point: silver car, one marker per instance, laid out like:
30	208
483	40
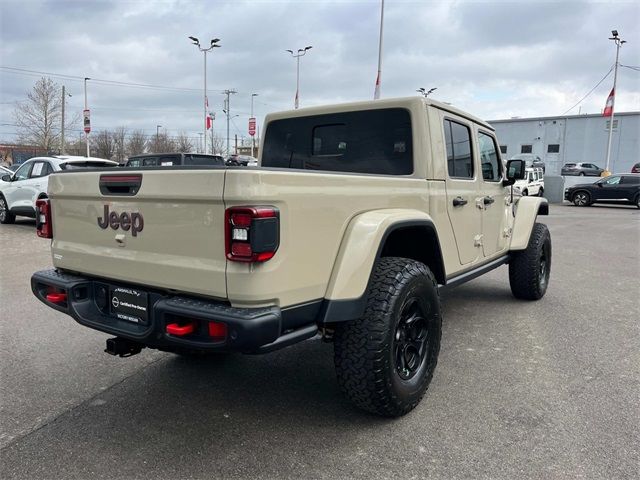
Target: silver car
581	169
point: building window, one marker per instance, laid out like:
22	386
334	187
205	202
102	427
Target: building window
553	148
525	149
503	149
608	124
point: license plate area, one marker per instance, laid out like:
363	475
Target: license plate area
129	304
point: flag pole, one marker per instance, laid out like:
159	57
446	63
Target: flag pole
619	42
376	93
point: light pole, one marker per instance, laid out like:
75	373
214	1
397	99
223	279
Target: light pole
214	44
253	141
227	111
87	121
301	53
425	93
376	92
157	137
64	101
618	41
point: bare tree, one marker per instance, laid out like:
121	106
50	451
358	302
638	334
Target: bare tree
103	144
38	117
183	143
120	144
218	144
137	143
161	143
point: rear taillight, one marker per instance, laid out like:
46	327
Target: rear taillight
44	228
252	233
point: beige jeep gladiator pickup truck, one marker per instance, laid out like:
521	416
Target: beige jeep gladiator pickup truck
357	216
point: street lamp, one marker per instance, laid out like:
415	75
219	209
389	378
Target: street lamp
253	137
64	101
425	93
87	118
301	53
212	45
157	137
612	96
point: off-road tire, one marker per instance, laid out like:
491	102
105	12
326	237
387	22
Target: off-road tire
366	351
525	193
6	216
529	270
541	192
578	197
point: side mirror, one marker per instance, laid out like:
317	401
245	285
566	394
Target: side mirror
515	171
6	177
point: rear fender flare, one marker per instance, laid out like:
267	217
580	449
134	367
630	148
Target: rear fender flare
361	246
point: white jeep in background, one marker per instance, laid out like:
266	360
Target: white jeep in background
532	184
20	191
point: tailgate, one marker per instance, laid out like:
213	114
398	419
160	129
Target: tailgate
168	234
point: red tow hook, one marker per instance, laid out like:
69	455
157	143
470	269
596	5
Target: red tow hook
181	330
56	297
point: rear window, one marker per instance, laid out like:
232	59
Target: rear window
89	164
203	160
369	141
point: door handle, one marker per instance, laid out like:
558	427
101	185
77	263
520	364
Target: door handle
459	202
488	200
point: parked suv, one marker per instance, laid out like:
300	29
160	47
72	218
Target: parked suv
532	184
581	169
359	215
623	189
171	159
20	191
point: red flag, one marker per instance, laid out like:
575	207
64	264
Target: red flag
209	122
608	108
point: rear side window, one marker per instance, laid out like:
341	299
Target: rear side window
631	180
458	143
133	162
369	141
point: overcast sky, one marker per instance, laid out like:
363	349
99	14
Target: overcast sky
494	59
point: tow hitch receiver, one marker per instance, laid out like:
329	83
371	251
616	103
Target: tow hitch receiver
122	347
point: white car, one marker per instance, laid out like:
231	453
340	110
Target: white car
19	191
532	184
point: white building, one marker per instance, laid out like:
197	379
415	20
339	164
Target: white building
575	138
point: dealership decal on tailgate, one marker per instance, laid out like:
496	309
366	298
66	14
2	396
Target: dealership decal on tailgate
129	304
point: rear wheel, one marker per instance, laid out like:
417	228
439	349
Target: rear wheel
581	174
581	199
637	202
5	215
525	193
541	192
385	360
529	269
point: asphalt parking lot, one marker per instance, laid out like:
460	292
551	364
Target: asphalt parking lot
548	389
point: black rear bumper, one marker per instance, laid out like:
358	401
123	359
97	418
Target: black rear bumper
252	330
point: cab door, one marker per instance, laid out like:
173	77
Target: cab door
495	197
462	189
15	193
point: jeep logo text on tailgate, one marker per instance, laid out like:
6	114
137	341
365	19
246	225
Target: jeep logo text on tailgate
126	221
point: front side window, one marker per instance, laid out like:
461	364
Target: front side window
23	172
489	159
458	144
526	149
612	181
368	141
